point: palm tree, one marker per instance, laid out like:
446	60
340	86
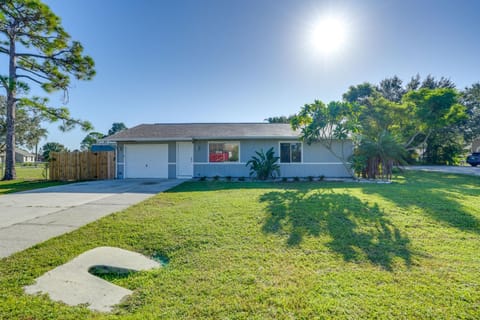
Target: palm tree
375	157
264	165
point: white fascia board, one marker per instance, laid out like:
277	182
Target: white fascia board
219	138
150	139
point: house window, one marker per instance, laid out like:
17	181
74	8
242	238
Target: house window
290	152
223	152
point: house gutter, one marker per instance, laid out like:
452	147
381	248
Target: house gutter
204	138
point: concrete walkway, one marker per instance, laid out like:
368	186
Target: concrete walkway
31	217
73	284
468	170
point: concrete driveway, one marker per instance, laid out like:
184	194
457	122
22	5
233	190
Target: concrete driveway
27	218
473	171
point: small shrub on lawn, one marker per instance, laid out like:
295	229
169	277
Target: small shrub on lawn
216	178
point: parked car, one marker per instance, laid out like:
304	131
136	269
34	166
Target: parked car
474	159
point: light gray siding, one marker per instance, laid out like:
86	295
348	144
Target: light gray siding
317	153
248	148
316	160
200	151
334	170
220	169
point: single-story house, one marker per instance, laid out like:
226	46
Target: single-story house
22	156
219	149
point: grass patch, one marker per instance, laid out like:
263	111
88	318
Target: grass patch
28	178
409	249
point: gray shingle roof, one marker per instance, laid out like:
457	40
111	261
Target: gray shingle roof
205	131
24	153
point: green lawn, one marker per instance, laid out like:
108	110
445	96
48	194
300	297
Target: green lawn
407	250
27	178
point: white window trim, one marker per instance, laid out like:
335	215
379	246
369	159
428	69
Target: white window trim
224	162
280	152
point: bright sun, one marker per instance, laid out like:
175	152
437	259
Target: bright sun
329	35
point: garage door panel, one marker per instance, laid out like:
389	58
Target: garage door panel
146	161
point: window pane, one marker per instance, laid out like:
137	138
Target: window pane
232	150
222	152
296	152
285	152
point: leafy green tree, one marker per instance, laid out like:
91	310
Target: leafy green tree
264	165
91	139
391	89
445	146
413	84
431	83
432	111
34	135
328	125
39	52
470	98
116	127
417	115
27	126
280	119
360	93
52	147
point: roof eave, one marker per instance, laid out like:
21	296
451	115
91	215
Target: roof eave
205	138
246	137
149	139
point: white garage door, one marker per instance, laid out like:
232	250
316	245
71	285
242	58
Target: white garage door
146	161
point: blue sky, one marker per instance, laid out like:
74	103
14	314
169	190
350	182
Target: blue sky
246	60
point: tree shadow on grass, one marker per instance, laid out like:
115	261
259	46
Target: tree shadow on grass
358	230
436	198
13	186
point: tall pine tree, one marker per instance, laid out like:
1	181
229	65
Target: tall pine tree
40	52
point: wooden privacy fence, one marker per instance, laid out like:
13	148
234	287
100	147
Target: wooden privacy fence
81	165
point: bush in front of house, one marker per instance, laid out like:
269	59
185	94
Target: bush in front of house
264	165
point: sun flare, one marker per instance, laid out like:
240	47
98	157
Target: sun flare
329	35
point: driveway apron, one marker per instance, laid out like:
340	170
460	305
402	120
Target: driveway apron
31	217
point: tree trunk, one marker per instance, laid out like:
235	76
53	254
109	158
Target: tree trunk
36	151
10	173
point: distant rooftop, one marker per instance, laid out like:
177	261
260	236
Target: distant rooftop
205	131
24	153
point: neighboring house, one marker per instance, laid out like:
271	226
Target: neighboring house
476	145
218	149
22	156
